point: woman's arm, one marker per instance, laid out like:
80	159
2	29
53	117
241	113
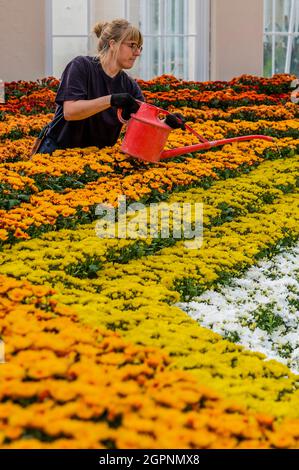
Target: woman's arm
82	109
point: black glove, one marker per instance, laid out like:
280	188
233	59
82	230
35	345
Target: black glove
173	121
126	102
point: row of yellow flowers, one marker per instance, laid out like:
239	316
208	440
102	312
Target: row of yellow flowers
137	298
55	382
45	207
133	298
48	258
69	162
214	130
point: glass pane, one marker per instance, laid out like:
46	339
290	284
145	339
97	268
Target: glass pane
151	16
295	57
172	52
268	12
280	53
174	56
133	11
297	17
70	17
268	55
174	16
66	49
191	16
149	61
282	15
189	65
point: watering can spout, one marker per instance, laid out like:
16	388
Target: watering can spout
207	145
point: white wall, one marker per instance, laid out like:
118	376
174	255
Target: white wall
236	38
105	11
22	39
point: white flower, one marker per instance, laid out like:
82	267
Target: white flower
259	309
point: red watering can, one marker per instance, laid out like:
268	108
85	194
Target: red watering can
146	136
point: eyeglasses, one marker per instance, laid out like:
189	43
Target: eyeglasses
134	46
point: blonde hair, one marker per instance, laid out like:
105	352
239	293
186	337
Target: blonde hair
119	30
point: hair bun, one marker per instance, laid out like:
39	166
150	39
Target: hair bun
99	27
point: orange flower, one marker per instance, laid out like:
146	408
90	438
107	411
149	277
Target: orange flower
3	234
20	234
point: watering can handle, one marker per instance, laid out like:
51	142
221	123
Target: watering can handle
123	121
163	111
119	115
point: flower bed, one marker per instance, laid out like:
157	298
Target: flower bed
259	310
99	350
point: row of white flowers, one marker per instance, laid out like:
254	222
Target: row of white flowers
259	311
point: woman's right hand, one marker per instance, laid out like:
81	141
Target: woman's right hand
126	102
175	121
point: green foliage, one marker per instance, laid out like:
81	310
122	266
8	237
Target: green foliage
188	288
10	198
87	269
266	319
232	336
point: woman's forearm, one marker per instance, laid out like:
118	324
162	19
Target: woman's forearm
83	109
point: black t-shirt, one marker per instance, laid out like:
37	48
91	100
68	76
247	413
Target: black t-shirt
85	79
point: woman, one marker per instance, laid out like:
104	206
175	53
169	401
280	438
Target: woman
92	88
